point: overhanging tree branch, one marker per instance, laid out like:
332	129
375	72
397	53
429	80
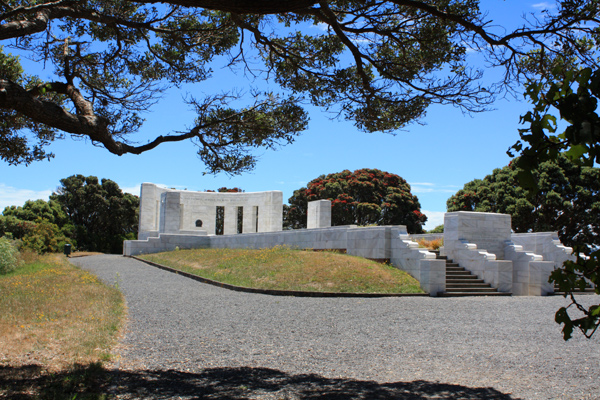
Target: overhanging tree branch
377	63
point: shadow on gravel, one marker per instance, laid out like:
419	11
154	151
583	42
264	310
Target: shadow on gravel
93	382
262	383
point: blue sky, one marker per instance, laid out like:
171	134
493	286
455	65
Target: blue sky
436	158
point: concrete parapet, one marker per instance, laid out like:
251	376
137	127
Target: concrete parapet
531	272
488	231
539	272
545	244
318	214
372	242
432	276
499	273
420	263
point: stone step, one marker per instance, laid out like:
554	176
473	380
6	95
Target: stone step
456	273
468	285
465	278
469	294
461	282
466	289
469	279
588	290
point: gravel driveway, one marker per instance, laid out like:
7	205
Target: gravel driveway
190	340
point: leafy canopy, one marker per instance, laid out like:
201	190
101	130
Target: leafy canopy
567	200
102	215
363	197
379	63
92	215
570	93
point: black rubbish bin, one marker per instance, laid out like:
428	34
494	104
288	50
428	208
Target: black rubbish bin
67	249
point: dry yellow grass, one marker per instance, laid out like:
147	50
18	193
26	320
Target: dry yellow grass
54	315
432	244
286	269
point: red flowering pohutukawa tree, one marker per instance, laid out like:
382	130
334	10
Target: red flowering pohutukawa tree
362	197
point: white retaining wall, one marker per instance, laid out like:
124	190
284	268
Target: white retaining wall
519	263
380	243
480	242
545	244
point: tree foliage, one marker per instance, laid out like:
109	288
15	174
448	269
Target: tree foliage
101	214
92	215
34	210
437	229
39	226
377	63
363	197
14	228
567	200
45	237
571	92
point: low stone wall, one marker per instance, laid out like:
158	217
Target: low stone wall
480	242
545	244
372	242
379	243
530	271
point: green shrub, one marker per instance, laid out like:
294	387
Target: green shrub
8	256
437	229
46	237
14	227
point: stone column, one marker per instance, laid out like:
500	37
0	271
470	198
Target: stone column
249	224
171	210
230	223
319	214
488	231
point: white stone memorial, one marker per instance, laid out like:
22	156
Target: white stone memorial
185	212
480	242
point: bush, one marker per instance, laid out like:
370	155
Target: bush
44	238
432	244
437	229
16	228
9	260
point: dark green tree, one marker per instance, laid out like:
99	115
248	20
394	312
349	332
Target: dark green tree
15	228
33	210
44	237
572	93
567	200
41	226
102	215
363	197
377	63
437	229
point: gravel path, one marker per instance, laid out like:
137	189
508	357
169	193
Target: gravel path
189	340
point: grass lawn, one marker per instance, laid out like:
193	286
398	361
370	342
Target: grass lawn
286	269
57	325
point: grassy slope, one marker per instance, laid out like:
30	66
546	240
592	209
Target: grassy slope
282	268
56	321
